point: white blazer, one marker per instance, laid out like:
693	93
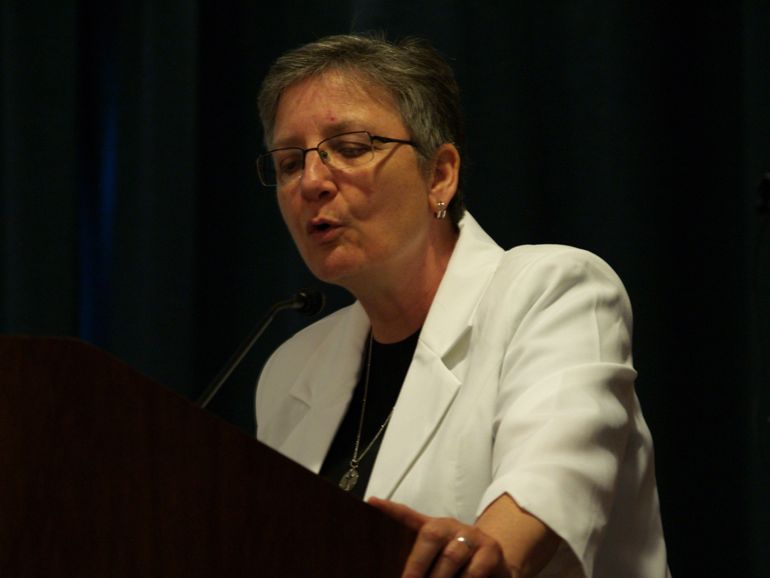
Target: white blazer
521	383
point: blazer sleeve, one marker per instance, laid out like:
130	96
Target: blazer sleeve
566	404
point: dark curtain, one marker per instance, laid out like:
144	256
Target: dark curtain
131	214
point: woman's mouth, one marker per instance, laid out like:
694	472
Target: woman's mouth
323	230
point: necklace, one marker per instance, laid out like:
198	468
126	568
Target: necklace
350	479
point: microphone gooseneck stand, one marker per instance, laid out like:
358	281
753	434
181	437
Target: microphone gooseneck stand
307	302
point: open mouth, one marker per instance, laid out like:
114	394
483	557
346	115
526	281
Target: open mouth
320	225
322	229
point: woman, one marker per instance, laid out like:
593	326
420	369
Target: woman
483	397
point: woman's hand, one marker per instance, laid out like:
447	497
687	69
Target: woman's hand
446	547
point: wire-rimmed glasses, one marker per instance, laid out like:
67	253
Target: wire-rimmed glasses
348	150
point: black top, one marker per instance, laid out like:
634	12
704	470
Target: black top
390	363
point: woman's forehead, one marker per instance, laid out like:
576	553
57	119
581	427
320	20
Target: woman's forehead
338	100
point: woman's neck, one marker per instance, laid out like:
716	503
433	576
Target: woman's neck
398	307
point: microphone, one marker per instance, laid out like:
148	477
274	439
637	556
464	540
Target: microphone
306	301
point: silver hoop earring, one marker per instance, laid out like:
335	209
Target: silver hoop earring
441	210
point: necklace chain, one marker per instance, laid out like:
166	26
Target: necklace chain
350	478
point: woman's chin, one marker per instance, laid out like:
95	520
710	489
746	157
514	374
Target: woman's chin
335	271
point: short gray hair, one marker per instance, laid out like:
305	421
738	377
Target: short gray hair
417	77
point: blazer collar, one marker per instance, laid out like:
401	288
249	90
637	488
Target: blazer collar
471	266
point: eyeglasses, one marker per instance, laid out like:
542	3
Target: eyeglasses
348	150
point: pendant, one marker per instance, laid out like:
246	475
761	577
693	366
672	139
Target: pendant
349	480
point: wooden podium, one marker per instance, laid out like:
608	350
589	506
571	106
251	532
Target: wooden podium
105	473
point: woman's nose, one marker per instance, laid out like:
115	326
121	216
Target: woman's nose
316	181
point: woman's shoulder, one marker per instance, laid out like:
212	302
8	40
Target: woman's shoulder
309	338
546	262
312	347
531	277
540	260
550	253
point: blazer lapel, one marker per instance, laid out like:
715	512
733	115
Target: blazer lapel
427	393
438	367
326	387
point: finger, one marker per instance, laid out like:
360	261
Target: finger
428	546
401	513
487	561
454	556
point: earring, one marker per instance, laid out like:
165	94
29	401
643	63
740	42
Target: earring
441	210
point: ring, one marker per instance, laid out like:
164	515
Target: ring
465	541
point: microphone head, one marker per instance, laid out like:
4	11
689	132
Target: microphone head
309	301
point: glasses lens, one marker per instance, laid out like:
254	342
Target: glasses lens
347	150
265	170
279	166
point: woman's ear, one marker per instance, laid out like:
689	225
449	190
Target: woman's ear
445	174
